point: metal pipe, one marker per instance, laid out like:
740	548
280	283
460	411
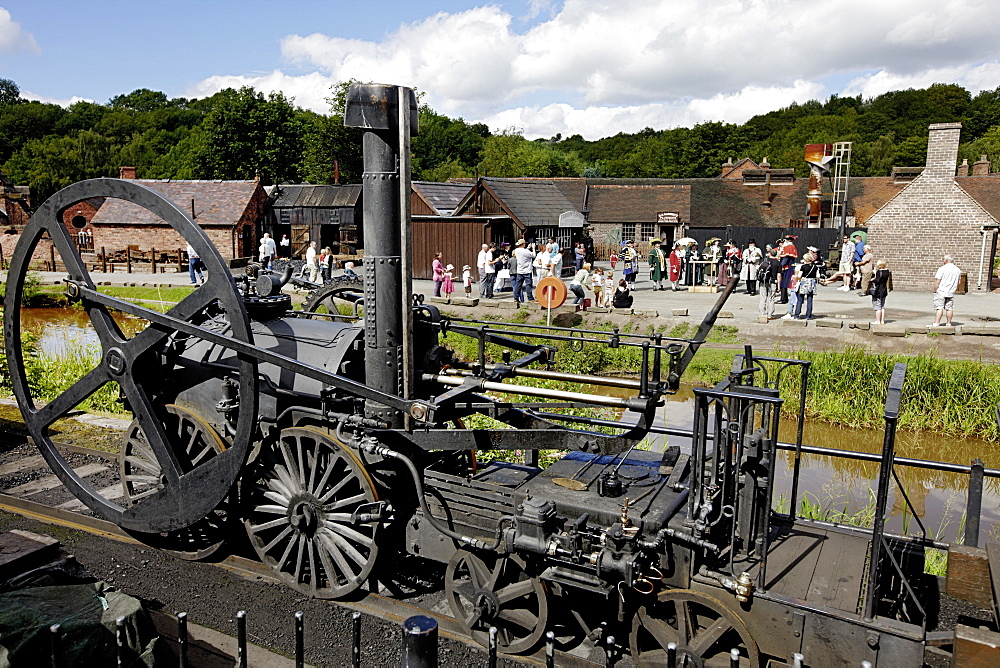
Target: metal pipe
613	402
803	384
356	640
671	655
54	650
893	396
373	107
121	642
974	504
420	640
182	639
604	381
300	650
241	639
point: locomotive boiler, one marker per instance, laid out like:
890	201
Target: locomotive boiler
338	443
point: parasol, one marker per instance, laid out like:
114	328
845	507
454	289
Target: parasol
685	241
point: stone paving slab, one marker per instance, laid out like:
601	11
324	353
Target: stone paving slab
830	322
981	329
888	329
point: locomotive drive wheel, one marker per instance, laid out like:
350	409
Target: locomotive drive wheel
485	590
135	363
703	628
302	514
194	441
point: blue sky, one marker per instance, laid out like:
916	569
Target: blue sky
593	67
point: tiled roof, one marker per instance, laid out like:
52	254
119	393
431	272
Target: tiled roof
216	203
317	197
985	190
442	197
534	203
641	203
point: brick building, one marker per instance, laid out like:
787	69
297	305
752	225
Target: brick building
15	203
937	213
230	213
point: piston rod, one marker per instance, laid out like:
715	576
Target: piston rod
606	381
613	402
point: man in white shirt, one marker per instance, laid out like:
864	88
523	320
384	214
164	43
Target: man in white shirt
487	273
267	248
945	284
311	265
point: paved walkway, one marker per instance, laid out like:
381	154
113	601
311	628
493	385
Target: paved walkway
909	310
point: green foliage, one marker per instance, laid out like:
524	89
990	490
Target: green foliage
509	154
237	134
247	134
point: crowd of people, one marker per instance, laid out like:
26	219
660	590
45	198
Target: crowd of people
775	273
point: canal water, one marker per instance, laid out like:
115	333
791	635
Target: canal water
836	485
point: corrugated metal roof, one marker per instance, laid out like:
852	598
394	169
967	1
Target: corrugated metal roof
442	197
317	197
215	203
534	203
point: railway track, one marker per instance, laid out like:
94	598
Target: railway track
29	488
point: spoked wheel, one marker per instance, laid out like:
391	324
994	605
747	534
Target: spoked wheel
325	299
487	590
195	442
309	514
703	628
135	364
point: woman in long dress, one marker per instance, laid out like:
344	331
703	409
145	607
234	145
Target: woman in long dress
676	266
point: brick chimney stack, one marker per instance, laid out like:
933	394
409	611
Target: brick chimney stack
963	169
727	165
126	173
981	167
942	151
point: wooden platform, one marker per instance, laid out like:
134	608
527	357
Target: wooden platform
820	565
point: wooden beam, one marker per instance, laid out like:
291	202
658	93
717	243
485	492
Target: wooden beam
969	576
976	647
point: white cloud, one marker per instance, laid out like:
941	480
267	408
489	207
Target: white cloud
62	102
594	122
972	77
12	38
309	91
603	66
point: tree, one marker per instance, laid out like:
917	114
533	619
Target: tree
443	141
509	154
141	99
248	134
9	92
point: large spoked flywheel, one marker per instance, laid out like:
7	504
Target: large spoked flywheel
137	365
310	513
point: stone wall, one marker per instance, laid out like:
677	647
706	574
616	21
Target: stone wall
932	216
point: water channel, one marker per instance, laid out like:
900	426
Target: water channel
836	484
